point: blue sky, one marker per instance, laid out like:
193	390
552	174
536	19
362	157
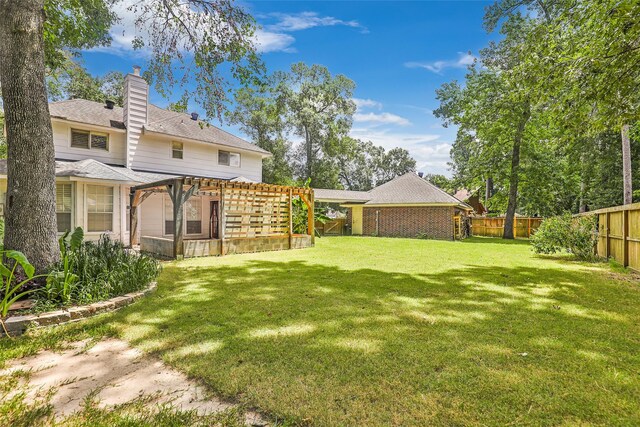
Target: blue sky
397	52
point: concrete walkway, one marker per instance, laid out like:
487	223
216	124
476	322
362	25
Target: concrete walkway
117	374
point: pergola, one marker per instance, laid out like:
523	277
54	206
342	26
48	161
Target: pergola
246	210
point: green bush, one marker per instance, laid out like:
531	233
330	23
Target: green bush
101	270
575	235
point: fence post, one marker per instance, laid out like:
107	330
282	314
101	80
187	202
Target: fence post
625	235
606	235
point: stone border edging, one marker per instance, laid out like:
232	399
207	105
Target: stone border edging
17	325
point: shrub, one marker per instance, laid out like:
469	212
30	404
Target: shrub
12	286
100	270
574	235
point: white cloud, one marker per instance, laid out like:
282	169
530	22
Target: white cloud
464	60
272	37
306	20
267	41
431	154
381	118
366	103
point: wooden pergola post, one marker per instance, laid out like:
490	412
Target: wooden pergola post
178	198
221	219
310	202
136	197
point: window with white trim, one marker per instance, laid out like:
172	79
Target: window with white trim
192	209
63	206
99	208
193	215
86	139
177	150
168	216
229	158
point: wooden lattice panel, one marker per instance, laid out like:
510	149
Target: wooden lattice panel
255	213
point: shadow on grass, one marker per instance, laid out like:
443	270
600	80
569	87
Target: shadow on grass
308	341
496	240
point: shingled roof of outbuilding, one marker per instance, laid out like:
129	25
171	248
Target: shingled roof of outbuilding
161	121
407	189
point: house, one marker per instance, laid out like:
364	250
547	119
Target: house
472	198
117	167
407	206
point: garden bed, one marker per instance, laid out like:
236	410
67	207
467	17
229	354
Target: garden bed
17	325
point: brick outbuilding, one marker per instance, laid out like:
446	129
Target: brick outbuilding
407	206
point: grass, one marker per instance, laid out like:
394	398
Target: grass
373	331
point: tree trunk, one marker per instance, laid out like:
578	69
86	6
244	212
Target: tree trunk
626	165
514	178
583	185
309	148
488	192
583	188
30	214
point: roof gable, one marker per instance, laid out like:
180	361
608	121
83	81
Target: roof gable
409	189
406	189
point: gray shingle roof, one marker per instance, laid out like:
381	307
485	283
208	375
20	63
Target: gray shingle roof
93	169
162	121
89	112
182	126
403	190
340	196
407	189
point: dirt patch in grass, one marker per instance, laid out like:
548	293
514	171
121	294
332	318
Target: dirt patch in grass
113	373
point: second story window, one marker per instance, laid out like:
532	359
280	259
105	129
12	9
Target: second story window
177	150
229	158
87	139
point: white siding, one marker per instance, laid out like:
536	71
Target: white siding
135	111
152	217
62	142
199	159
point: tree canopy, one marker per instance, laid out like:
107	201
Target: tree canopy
548	112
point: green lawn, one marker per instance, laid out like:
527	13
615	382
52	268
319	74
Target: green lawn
373	331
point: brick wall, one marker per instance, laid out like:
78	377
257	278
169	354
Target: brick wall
435	221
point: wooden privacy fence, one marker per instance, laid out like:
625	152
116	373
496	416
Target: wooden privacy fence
494	226
334	227
619	234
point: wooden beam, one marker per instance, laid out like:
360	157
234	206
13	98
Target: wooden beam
156	184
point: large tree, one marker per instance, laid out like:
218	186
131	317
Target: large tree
30	214
320	109
206	41
261	114
73	81
587	64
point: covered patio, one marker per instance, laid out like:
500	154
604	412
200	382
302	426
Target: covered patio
243	217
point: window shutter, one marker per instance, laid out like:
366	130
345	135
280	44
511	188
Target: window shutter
79	139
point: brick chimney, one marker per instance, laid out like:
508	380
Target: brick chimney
136	106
